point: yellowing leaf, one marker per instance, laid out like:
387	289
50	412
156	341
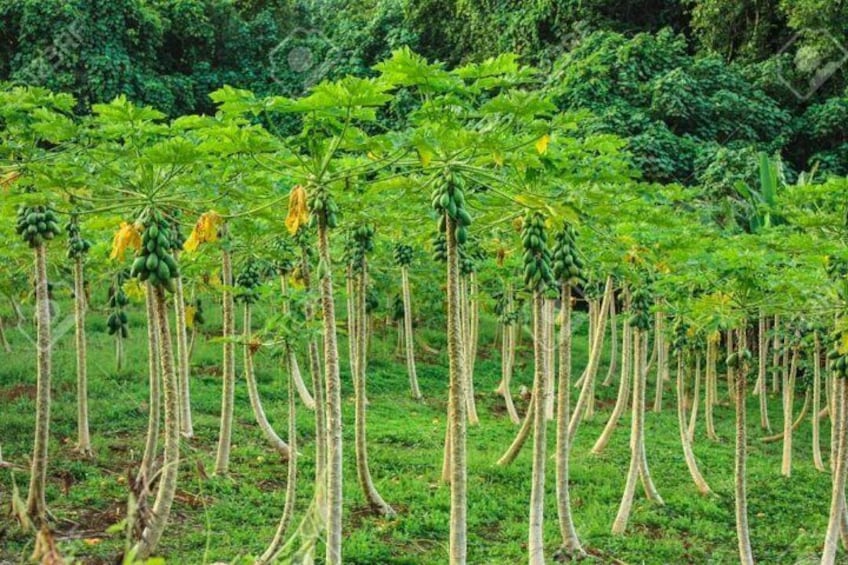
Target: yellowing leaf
8	179
843	344
135	290
498	158
298	210
426	156
127	236
190	312
542	144
205	230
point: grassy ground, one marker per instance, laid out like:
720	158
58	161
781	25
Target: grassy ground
222	519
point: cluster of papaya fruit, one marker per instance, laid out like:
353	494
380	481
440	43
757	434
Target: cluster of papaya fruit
117	323
567	265
449	201
155	262
836	355
77	246
248	281
403	254
37	224
640	304
537	257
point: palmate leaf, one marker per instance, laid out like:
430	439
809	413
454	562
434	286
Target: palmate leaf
53	126
235	101
122	111
173	151
407	68
520	103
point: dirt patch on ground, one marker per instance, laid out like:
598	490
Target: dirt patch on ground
17	391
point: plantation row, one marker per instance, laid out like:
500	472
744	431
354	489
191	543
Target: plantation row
512	199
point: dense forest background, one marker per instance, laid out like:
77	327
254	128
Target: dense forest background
697	87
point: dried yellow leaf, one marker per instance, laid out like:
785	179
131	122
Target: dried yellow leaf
205	230
542	144
128	236
298	210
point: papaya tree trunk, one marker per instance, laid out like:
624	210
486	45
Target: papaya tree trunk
837	499
817	455
36	502
161	509
271	554
588	388
548	326
613	321
662	366
761	388
83	436
693	418
468	338
685	438
741	455
623	384
456	403
507	359
318	381
775	361
570	542
291	357
5	342
271	436
644	471
623	516
407	334
711	378
183	362
154	401
372	496
222	459
536	542
333	400
788	400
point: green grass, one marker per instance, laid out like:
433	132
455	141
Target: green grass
221	519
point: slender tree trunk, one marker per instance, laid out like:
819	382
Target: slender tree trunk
334	401
536	542
168	482
456	420
731	373
588	388
817	456
272	552
835	411
570	542
119	353
291	357
5	343
183	363
711	385
613	321
36	503
659	339
507	360
693	418
253	391
644	471
222	459
742	534
83	436
685	438
155	377
470	350
837	499
788	400
375	501
775	361
318	381
548	323
623	384
407	333
623	516
761	388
